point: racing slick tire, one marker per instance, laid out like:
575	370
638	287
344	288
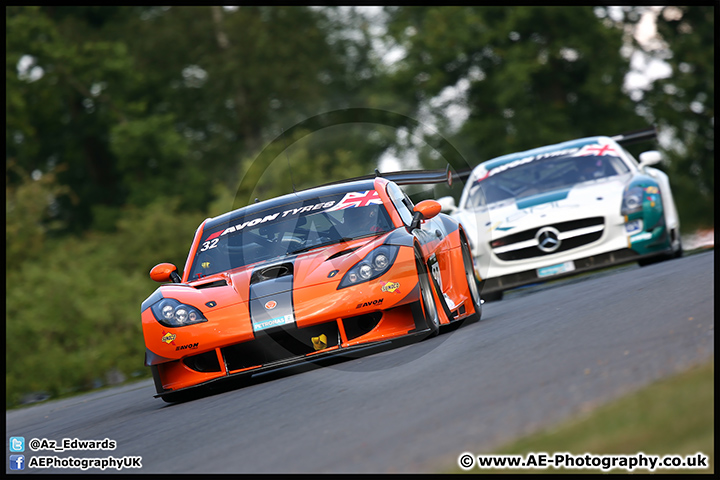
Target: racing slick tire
495	296
426	308
679	252
643	262
472	283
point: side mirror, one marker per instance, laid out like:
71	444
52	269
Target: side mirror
447	204
424	210
164	272
651	157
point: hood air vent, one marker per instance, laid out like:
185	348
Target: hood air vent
340	254
271	272
217	283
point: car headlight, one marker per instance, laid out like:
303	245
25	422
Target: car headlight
374	265
171	313
632	200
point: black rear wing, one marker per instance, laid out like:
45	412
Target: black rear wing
462	175
407	177
636	136
419	177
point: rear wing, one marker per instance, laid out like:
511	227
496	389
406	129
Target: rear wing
462	175
636	136
407	177
418	177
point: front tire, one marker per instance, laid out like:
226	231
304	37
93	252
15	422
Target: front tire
495	296
427	305
472	284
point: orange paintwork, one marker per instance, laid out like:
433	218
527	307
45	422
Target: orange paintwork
428	208
161	272
317	302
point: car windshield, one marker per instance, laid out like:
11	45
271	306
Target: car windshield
289	229
541	176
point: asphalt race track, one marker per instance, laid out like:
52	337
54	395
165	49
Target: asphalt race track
537	357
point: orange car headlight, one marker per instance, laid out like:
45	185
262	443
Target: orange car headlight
171	313
375	264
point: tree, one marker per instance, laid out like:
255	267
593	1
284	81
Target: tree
503	79
146	102
683	106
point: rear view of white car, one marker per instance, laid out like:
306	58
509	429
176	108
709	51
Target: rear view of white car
566	208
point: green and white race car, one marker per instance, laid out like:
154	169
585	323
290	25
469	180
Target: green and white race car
566	208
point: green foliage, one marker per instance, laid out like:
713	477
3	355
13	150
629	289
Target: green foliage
28	216
74	315
683	105
527	76
147	101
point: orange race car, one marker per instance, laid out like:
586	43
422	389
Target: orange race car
307	275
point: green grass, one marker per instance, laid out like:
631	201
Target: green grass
672	416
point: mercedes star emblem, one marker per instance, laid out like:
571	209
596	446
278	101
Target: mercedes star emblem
548	239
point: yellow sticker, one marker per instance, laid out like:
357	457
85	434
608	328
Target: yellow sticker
390	287
320	342
205	264
168	337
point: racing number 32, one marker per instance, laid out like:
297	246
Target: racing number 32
208	245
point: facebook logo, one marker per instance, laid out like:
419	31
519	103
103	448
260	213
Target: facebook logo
17	444
17	462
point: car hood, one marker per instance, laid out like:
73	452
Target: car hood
589	199
274	276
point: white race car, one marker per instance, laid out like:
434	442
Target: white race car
562	209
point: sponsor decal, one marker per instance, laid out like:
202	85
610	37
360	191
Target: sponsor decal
435	270
168	337
189	346
597	150
205	264
556	269
371	303
270	305
284	320
391	287
208	244
358	199
652	189
533	210
319	342
633	227
640	237
523	161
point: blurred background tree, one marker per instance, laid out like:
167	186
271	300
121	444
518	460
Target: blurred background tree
127	126
683	106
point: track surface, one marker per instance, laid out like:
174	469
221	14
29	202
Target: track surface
537	357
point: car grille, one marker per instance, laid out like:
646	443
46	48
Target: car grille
555	238
280	344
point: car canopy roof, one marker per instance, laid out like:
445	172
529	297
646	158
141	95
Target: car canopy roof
299	196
